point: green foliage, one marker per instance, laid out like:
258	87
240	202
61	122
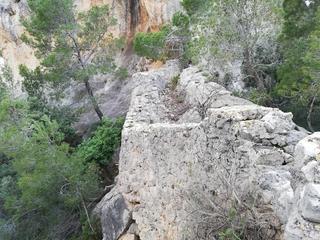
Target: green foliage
192	6
225	32
229	234
88	234
298	74
298	18
295	31
6	78
70	46
259	97
170	42
34	82
121	73
67	43
43	25
180	20
151	45
174	82
101	147
45	187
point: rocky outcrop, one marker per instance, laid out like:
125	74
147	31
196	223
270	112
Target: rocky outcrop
10	14
183	172
115	215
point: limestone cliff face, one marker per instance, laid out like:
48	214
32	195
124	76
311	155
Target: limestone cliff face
14	52
137	15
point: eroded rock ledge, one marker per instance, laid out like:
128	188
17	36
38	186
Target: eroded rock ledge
181	176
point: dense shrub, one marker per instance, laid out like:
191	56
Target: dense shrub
46	188
180	20
192	6
104	142
151	45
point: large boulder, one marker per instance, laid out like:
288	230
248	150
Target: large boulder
114	214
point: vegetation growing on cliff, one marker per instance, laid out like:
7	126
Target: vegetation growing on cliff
168	43
70	46
47	187
298	81
101	146
151	45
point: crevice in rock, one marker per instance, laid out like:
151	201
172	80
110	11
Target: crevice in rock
125	231
132	15
175	103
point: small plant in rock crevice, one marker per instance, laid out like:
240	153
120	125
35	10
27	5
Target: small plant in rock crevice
174	82
101	146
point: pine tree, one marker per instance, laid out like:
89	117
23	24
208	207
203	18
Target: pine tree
298	45
70	46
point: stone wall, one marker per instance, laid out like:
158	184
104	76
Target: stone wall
178	172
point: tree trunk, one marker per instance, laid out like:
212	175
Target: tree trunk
252	79
93	99
309	114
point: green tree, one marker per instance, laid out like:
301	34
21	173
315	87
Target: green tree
296	28
46	189
151	45
10	118
6	78
192	6
311	91
297	75
70	46
227	32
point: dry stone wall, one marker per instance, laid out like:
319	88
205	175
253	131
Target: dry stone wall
176	173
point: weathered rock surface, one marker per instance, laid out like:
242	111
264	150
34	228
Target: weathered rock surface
137	15
173	168
310	203
14	52
309	149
